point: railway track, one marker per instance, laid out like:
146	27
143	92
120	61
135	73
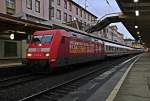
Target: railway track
58	91
16	80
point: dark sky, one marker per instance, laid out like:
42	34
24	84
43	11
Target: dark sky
101	8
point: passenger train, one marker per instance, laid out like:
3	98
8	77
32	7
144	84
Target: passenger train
52	49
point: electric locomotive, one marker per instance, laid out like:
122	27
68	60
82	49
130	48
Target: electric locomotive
52	49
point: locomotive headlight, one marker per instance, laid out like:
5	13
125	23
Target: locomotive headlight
29	54
40	44
47	54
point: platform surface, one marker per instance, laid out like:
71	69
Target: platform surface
5	63
136	86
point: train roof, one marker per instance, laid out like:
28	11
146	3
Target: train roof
116	45
104	40
62	32
78	32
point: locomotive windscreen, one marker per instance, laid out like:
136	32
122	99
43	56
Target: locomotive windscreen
42	39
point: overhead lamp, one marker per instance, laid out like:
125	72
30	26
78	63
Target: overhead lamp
136	26
137	12
138	33
135	1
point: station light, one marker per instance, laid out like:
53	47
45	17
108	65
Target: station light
12	36
138	33
135	1
136	27
137	12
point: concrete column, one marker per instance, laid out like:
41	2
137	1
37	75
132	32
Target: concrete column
24	48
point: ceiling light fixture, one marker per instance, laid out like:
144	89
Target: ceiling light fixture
135	1
136	27
137	12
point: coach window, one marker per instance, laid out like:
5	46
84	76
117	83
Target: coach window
63	40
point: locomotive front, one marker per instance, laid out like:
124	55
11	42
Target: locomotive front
38	52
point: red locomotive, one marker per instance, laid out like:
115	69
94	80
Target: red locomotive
55	48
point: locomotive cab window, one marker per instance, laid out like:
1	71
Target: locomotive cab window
42	39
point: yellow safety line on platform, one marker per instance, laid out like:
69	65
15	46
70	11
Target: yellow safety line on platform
114	92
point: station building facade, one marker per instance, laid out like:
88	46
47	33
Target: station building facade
111	33
45	12
67	10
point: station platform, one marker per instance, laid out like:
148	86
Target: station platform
136	86
11	67
5	63
128	81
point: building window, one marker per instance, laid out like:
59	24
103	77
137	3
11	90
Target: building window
80	12
88	17
58	14
91	19
37	6
84	15
10	6
77	10
51	12
29	4
94	19
84	23
65	17
70	6
65	4
70	18
51	2
58	2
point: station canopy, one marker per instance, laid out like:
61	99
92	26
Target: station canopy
137	18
